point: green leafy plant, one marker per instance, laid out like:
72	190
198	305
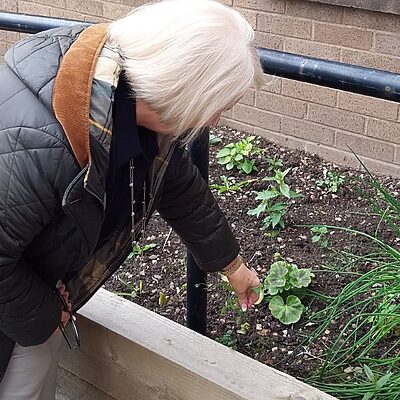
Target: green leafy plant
320	235
273	203
330	180
138	250
214	139
228	339
378	382
239	155
284	282
274	163
230	303
162	299
132	290
287	312
368	309
229	184
244	328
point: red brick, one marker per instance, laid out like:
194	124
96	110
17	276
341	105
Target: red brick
56	12
9	37
135	3
380	167
368	105
308	130
387	44
250	16
227	113
309	92
371	60
24	36
94	18
283	140
115	11
383	130
397	155
257	117
52	3
88	7
248	98
237	125
343	36
282	25
9	5
336	118
3	48
276	6
335	156
312	49
364	146
281	104
268	40
25	7
371	20
273	84
318	12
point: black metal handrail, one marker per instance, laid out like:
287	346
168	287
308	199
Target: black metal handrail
26	23
348	77
352	78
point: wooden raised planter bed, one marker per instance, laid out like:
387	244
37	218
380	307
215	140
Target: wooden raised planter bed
129	352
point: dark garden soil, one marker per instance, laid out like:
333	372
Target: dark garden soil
265	339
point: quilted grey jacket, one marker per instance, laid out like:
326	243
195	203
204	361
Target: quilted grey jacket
53	166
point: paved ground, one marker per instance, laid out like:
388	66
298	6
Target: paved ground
70	387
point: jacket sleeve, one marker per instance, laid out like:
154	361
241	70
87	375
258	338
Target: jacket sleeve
29	308
188	206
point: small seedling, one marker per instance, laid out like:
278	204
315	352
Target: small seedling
228	339
331	181
214	139
244	328
239	155
230	304
138	250
274	163
319	235
133	290
229	185
162	299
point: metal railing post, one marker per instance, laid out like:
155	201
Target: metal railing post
196	293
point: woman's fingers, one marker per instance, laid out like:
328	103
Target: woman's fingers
252	297
65	317
243	301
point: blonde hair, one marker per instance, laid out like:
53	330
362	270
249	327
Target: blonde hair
187	60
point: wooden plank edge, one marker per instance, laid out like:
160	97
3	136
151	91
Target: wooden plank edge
127	349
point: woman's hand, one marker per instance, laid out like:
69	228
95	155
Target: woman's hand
65	316
243	282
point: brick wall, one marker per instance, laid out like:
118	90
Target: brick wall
299	115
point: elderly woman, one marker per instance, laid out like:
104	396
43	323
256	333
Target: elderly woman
93	127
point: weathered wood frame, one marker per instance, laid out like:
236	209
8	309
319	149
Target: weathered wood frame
129	352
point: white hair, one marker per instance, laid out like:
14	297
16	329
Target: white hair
187	60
